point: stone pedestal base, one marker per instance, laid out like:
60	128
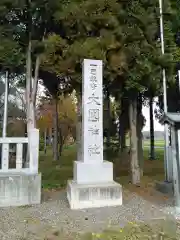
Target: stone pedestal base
94	195
19	189
90	173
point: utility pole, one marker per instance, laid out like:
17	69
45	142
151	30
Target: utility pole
167	163
5	105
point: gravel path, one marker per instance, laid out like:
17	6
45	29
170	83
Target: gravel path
35	222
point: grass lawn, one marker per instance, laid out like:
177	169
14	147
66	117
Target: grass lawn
156	143
133	231
56	174
146	142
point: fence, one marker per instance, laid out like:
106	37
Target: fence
32	142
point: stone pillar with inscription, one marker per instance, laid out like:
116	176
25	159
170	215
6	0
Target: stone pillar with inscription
92	185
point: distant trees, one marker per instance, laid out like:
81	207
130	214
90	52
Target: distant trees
66	114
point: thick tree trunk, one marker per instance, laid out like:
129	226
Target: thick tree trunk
122	133
123	141
134	163
31	115
61	142
151	115
31	87
29	104
79	127
139	134
123	119
31	118
109	119
35	82
55	138
119	129
28	86
5	117
45	141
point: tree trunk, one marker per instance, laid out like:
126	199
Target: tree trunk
122	133
55	138
123	140
45	141
79	128
61	142
35	82
109	120
32	96
134	163
29	113
139	134
5	117
151	115
123	119
25	149
28	85
30	89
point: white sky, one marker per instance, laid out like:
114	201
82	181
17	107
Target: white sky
157	126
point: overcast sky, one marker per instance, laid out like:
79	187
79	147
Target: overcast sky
157	126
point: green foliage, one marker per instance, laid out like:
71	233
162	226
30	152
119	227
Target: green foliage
123	35
171	30
22	21
10	54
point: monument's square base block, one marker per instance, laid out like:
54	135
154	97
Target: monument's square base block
93	186
95	195
93	172
19	189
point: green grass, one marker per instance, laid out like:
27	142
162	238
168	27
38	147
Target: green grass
146	143
56	174
164	230
157	143
158	230
159	153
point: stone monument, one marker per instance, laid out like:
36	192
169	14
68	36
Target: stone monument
93	184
